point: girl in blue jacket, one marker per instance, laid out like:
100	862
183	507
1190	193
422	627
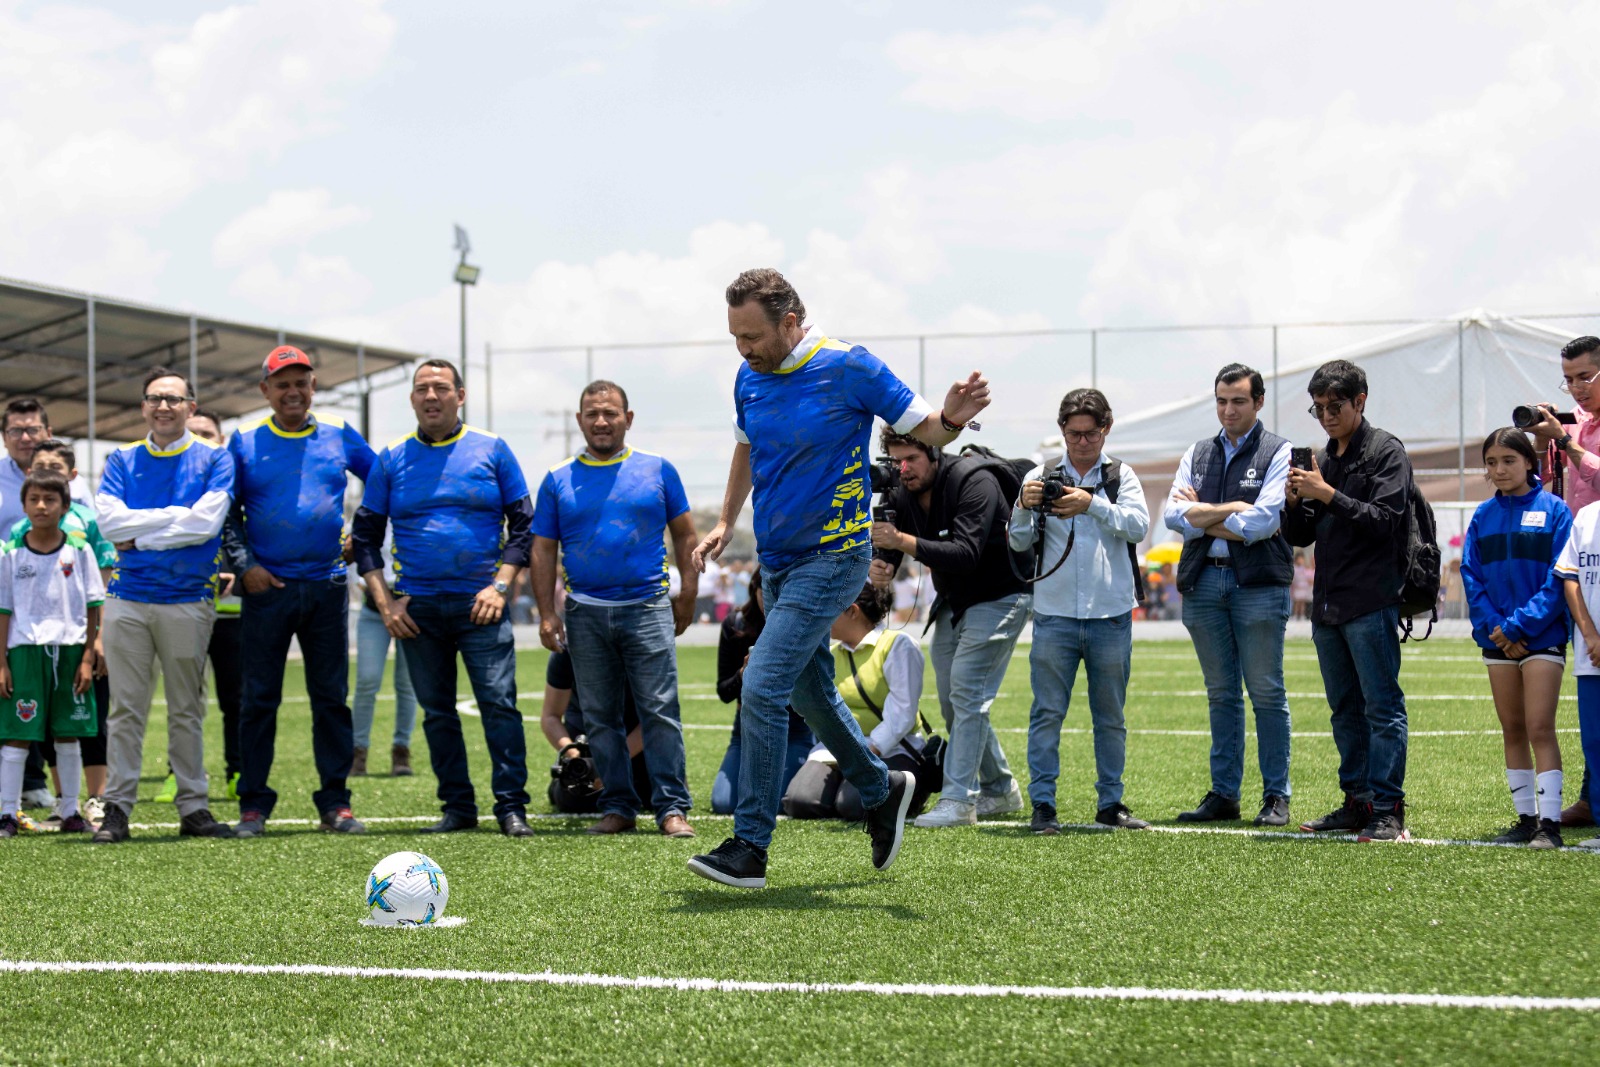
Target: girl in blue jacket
1519	618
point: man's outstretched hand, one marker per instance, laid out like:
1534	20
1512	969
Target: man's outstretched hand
966	399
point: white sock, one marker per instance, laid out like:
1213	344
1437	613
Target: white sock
12	762
1550	795
1522	795
69	765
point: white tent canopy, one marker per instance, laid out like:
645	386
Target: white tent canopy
1432	385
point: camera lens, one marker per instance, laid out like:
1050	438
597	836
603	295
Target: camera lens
1523	416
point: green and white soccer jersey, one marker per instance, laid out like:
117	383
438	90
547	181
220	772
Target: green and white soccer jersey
42	703
48	594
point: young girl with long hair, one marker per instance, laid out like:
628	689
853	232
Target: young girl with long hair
1518	609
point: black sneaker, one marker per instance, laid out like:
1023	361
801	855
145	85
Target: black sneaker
1348	818
1044	820
113	828
1274	811
1118	816
1386	824
735	862
1520	832
1213	807
886	823
201	824
9	826
1548	835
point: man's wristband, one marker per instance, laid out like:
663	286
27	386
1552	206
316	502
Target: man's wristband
1564	442
953	427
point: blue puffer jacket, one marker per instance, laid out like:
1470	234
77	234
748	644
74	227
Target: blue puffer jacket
1507	569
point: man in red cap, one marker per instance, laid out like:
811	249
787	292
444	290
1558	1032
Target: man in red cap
284	540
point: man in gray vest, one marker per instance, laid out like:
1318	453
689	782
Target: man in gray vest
1234	574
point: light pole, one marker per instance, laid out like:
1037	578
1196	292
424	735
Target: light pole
465	275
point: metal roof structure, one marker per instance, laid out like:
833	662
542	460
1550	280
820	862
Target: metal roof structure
85	357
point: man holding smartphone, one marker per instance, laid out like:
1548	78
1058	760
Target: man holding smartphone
1235	573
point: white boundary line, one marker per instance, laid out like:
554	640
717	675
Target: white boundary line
1228	831
902	989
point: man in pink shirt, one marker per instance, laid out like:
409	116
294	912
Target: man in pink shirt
1580	444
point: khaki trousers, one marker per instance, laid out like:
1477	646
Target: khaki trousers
138	638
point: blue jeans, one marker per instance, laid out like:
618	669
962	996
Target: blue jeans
1105	648
1360	663
372	653
1589	732
791	665
725	789
317	614
636	643
969	661
1238	635
490	657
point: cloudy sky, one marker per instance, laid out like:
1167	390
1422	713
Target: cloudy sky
913	167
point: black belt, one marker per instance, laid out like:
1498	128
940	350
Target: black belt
1219	561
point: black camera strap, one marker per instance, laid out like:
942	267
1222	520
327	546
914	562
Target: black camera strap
872	705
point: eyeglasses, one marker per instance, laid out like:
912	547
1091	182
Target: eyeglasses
165	400
1316	411
1084	437
17	433
1567	387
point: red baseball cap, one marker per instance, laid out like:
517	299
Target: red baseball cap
281	357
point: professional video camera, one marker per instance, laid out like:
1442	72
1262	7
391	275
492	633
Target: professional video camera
575	774
1525	415
883	475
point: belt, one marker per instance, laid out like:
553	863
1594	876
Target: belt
1219	561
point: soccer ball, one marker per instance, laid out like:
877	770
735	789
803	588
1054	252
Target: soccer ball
407	889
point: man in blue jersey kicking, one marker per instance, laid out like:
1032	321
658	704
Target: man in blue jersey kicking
463	526
804	407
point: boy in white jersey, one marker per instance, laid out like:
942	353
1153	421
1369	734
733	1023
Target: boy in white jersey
1579	565
50	597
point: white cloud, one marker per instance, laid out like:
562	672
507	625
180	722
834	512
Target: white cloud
287	217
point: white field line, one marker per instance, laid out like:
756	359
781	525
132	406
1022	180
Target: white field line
1226	831
888	989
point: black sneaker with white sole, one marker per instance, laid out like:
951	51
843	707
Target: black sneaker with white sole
1520	832
886	823
735	862
1547	836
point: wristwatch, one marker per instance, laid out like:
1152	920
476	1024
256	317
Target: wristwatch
1564	442
501	587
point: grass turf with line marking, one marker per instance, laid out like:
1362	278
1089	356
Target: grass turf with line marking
985	905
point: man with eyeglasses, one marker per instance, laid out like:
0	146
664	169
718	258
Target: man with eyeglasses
1083	607
1579	444
1234	574
162	501
1354	505
25	424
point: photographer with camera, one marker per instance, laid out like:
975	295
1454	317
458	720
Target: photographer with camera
1234	574
951	514
1576	437
575	783
1086	515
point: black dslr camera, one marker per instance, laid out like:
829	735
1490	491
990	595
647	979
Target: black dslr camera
575	774
1526	415
1055	487
883	475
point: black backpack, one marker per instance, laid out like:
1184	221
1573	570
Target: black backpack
1420	566
1009	472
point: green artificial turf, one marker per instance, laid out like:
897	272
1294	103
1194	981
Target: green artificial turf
986	905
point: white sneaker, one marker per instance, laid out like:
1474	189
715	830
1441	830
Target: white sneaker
94	811
1593	842
1005	805
949	813
39	798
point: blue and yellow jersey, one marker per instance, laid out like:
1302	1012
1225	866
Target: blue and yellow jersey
79	519
290	488
448	502
171	503
611	516
809	427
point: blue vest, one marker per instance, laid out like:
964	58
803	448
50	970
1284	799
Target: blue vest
1267	562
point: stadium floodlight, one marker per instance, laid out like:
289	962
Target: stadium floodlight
465	275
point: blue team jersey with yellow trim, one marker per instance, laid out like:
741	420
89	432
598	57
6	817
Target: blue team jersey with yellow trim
810	433
447	504
611	518
142	478
291	486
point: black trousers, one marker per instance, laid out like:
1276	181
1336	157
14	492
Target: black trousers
226	652
571	803
820	791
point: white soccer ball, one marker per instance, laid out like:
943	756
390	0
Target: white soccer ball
407	889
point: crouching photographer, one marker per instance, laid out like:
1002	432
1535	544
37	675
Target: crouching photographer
575	784
951	514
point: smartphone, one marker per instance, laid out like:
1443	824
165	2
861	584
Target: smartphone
1300	458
